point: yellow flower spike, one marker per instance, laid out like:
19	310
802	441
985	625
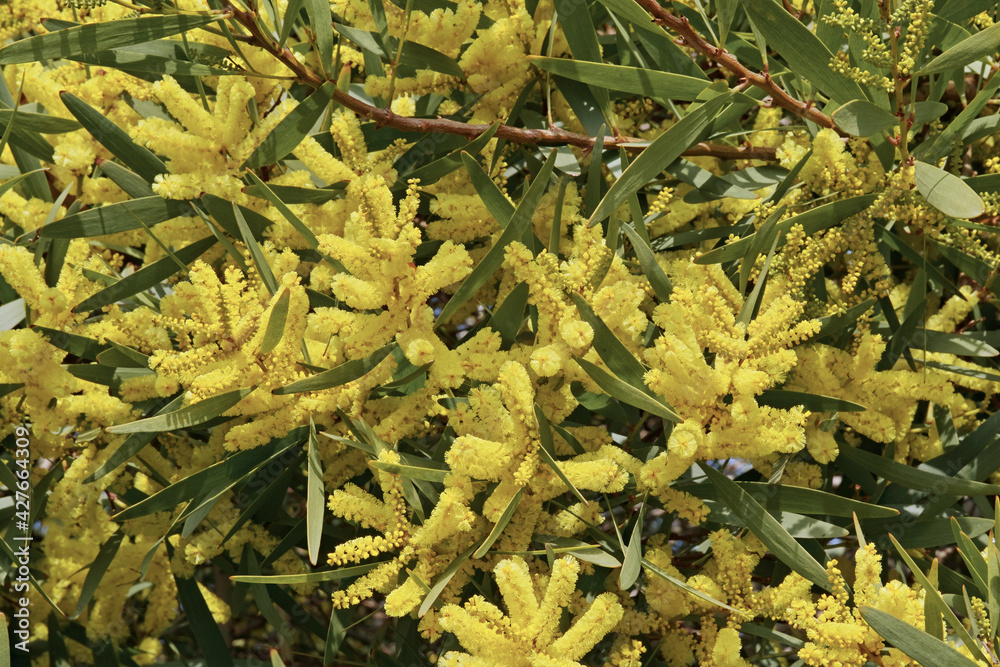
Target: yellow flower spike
358	506
404	599
347	133
598	474
324	165
515	585
17	266
478	636
479	458
726	652
602	616
232	120
451	515
561	585
181	105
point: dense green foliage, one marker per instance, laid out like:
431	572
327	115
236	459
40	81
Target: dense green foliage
521	332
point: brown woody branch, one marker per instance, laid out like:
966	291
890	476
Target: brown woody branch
517	135
688	37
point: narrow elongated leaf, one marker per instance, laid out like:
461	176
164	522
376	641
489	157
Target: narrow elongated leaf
627	393
261	596
98	568
132	445
982	44
797	525
501	523
223	473
39	122
275	324
635	80
916	478
114	218
136	62
206	630
292	129
424	472
781	398
507	319
443	580
708	186
8	185
903	248
348	371
321	25
419	57
581	35
335	635
813	221
292	195
11	314
690	590
765	240
861	118
993	583
310	578
798	499
223	212
949	615
658	155
145	278
937	147
800	47
946	192
495	200
101	36
658	280
516	229
611	350
588	552
632	565
970	553
192	415
315	496
547	449
964	345
767	528
914	642
256	253
134	185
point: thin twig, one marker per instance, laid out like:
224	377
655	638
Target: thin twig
690	38
518	135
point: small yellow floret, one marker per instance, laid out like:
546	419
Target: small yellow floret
404	106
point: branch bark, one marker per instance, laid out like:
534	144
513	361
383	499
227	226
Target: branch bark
726	60
517	135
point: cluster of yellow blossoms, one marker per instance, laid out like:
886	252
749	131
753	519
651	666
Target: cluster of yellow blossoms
452	449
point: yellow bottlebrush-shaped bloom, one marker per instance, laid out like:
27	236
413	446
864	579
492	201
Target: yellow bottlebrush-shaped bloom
207	148
888	396
748	360
835	630
527	634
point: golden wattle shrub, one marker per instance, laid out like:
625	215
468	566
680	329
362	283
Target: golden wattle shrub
536	333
